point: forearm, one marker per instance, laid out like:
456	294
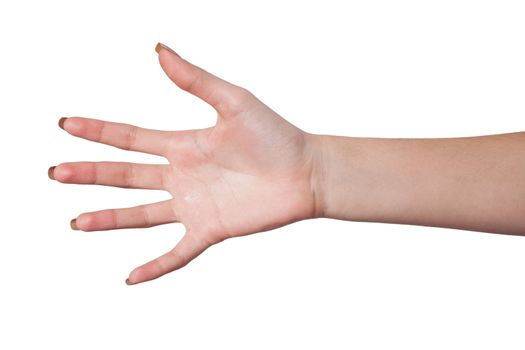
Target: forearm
474	183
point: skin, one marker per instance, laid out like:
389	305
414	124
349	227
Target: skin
253	171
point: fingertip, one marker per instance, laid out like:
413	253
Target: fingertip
138	275
70	124
84	222
160	46
74	125
61	173
147	272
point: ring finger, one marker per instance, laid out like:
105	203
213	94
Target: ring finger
142	216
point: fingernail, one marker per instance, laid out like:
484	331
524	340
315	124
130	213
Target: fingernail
73	224
51	172
61	122
162	46
128	282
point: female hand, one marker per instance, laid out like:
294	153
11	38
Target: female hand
251	172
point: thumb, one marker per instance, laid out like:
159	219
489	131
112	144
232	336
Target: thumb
188	248
213	90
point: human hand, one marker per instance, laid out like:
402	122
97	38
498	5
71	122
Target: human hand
253	171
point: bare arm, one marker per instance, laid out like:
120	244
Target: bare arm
472	183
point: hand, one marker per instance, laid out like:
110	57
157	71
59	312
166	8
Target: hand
251	172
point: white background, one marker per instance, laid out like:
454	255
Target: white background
358	68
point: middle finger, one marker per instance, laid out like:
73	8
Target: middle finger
118	174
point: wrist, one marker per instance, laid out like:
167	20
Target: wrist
320	151
345	177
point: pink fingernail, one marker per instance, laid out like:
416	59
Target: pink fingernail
128	282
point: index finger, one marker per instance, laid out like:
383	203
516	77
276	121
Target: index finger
124	136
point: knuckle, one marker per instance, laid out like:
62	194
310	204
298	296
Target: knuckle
94	172
241	100
178	259
100	130
244	94
107	219
164	177
130	138
169	146
146	217
129	176
191	83
201	242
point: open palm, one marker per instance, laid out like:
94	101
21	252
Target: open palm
251	172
